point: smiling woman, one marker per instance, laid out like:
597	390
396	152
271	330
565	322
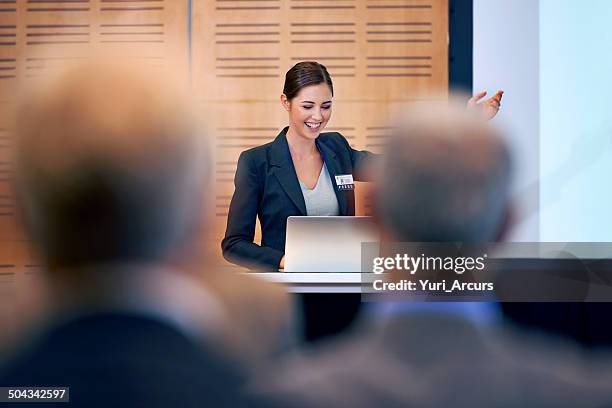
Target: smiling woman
296	174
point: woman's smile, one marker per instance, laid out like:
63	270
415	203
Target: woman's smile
309	111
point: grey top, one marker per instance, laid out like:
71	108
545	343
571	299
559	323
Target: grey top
321	200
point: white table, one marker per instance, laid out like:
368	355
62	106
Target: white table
315	282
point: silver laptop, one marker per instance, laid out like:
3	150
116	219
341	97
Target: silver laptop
327	244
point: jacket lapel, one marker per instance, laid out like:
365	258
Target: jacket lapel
333	167
283	169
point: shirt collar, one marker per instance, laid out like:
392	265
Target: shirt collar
158	292
481	314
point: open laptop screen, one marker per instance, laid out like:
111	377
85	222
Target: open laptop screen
327	244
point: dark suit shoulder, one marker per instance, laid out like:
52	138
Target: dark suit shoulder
256	159
336	142
260	157
332	138
258	150
139	360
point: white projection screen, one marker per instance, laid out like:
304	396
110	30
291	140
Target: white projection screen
552	59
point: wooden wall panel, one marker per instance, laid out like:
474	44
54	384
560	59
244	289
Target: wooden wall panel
380	53
39	36
374	49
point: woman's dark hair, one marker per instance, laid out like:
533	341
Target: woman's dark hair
303	74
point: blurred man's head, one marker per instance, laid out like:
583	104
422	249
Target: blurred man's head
445	177
110	166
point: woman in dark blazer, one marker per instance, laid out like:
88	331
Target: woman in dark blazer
273	180
267	186
296	173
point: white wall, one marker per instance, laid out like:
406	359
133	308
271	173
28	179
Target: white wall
575	121
506	56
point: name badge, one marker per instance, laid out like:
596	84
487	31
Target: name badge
345	182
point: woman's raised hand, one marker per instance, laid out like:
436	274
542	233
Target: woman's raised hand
488	108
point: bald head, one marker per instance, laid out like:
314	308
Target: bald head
110	165
445	177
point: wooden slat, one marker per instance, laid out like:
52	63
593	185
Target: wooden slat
38	37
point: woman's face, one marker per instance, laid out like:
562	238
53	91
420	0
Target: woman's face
310	110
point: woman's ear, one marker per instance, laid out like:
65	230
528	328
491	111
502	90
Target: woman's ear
285	102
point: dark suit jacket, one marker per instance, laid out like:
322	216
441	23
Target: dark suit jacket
266	186
120	360
587	323
432	360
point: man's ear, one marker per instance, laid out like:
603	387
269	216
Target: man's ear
285	102
385	234
506	224
374	206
